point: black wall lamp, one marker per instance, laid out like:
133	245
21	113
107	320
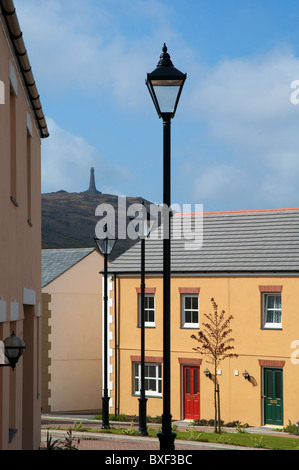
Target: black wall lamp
246	375
207	373
13	350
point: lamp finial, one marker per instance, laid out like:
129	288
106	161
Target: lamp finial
165	58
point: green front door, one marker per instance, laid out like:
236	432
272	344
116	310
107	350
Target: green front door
273	410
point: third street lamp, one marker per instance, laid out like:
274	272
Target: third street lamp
105	246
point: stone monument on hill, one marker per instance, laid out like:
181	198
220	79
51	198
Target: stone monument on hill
92	185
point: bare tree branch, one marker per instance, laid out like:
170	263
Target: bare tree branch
216	344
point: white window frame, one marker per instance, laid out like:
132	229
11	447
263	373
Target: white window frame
189	324
157	378
147	324
265	298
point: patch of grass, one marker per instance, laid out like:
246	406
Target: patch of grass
236	439
120	417
131	431
113	417
292	429
244	439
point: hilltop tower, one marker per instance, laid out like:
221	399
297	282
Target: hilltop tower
92	184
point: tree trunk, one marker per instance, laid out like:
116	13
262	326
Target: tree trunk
218	404
215	397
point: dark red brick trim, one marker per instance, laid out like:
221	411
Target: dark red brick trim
270	288
147	359
189	290
271	363
147	290
190	360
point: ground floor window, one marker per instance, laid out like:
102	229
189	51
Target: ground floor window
152	379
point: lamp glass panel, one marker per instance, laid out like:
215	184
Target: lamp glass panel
145	228
105	245
166	97
102	244
145	224
110	245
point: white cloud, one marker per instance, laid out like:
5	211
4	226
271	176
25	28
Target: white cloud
86	45
246	107
64	158
246	148
66	163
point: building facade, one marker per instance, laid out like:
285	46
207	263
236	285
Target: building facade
72	330
249	263
22	126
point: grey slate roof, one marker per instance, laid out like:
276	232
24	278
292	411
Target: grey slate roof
249	241
56	262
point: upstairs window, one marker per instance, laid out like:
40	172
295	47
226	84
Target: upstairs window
149	310
149	306
271	306
272	310
13	133
190	317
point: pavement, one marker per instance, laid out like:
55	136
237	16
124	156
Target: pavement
127	442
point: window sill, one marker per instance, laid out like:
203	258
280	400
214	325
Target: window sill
137	395
266	327
190	327
147	326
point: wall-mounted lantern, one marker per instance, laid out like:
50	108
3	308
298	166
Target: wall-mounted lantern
246	375
13	350
207	373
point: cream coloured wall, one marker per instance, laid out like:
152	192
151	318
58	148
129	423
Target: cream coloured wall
76	337
240	296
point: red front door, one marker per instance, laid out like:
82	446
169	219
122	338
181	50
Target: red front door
191	392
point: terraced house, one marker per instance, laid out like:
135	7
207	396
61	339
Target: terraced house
249	263
22	126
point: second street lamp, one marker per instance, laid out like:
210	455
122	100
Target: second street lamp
105	246
144	225
165	85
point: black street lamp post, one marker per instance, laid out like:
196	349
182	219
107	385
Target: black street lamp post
105	246
165	85
142	399
145	225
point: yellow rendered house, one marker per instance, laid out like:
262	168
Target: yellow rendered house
249	263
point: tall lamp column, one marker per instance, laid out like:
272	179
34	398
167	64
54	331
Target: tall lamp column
165	85
105	246
145	225
142	399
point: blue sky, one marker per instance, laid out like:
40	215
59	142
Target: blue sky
235	137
